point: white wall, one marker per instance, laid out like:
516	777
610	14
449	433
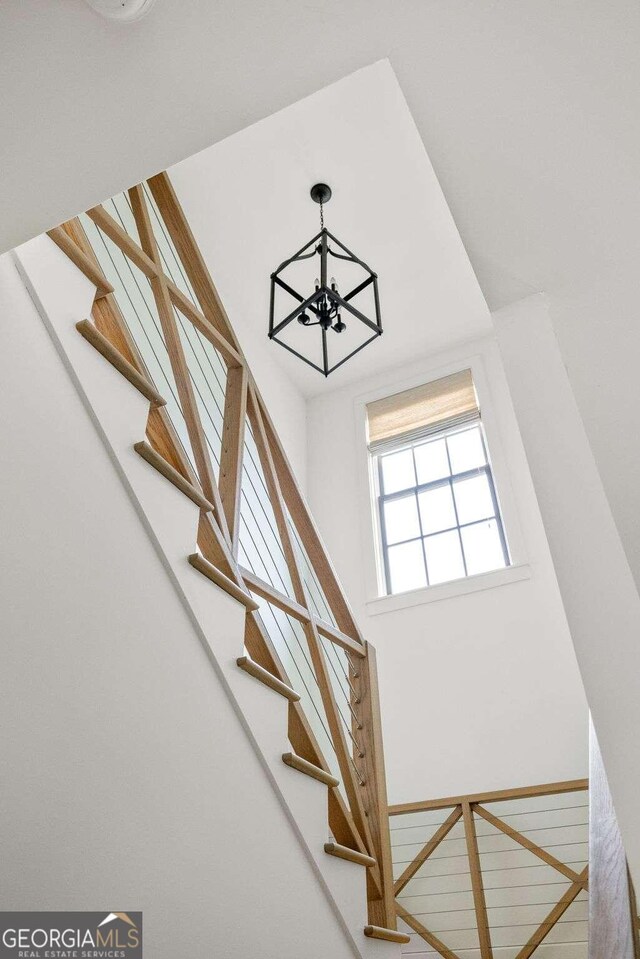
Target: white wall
481	690
598	589
127	775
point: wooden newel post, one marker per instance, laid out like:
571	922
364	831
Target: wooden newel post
382	911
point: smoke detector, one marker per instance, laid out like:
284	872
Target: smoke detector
125	10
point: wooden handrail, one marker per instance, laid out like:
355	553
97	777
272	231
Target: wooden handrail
496	795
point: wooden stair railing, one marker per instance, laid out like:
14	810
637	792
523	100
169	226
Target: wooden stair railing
149	231
466	813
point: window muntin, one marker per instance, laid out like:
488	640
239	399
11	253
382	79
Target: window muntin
438	510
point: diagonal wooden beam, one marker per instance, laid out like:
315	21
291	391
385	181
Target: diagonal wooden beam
526	843
177	359
190	256
182	302
556	913
477	885
275	497
140	256
422	931
427	849
309	534
152	266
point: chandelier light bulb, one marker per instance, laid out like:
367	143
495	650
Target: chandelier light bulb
339	326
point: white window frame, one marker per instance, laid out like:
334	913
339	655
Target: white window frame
378	600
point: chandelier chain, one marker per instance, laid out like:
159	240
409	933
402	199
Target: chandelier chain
321	215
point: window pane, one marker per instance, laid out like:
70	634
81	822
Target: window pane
473	499
466	450
436	509
482	547
444	557
432	462
401	519
406	567
397	471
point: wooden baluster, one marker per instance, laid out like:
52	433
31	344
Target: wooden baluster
232	449
477	886
382	908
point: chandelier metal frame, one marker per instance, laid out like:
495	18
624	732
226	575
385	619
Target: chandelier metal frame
326	303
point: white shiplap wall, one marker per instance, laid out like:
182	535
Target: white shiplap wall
520	889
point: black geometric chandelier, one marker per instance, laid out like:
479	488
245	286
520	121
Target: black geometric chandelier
324	327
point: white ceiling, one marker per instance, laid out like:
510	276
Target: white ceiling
528	109
247	200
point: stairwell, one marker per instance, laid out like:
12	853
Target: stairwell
162	744
163	700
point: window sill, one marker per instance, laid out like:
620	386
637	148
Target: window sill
457	587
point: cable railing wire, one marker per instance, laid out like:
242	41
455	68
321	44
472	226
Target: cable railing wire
484	835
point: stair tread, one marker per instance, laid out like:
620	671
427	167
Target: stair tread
153	458
264	676
304	766
389	935
100	343
224	582
348	854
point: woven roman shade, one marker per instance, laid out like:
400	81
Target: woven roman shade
426	409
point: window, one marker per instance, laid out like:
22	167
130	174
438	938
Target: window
439	518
